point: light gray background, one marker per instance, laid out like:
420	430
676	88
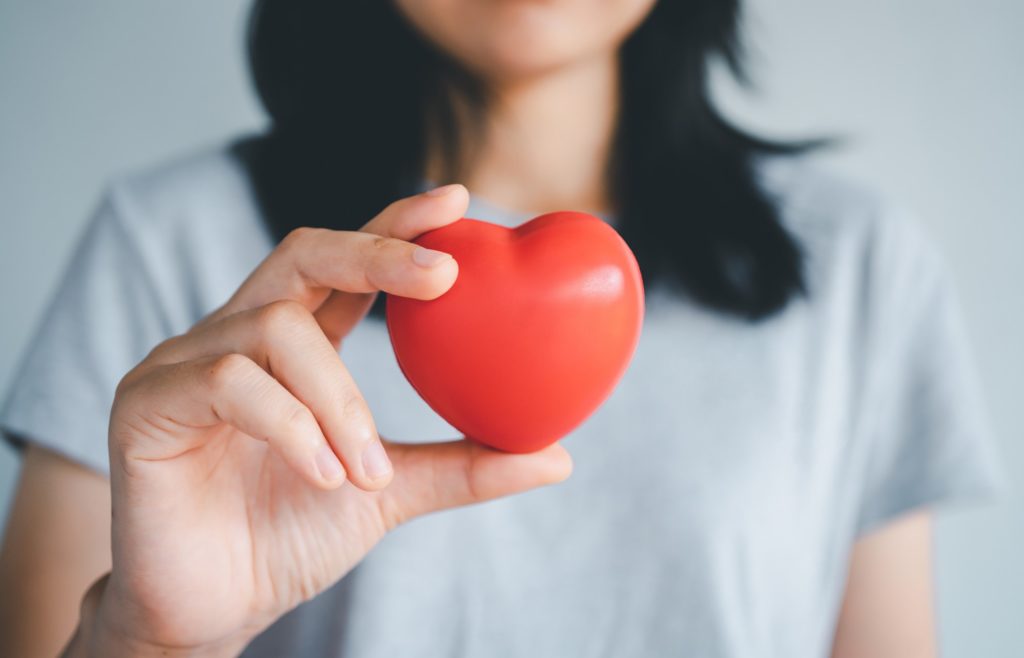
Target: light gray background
929	91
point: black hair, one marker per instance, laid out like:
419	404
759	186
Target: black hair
349	87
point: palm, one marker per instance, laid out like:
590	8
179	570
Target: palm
227	533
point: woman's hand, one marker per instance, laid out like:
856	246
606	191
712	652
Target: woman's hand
246	472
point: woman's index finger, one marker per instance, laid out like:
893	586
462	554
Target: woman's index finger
311	265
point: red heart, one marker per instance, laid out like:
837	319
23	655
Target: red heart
534	335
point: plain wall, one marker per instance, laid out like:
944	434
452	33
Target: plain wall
928	93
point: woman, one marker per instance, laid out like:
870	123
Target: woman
760	483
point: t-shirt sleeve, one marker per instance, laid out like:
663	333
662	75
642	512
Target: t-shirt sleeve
103	319
923	419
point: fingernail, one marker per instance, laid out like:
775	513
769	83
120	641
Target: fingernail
376	464
443	190
328	465
428	257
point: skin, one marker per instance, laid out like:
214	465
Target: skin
888	609
536	58
240	479
245	441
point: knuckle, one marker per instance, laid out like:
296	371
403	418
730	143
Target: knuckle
382	242
133	402
282	317
392	513
359	425
379	264
472	484
127	385
227	370
393	208
298	237
298	420
165	350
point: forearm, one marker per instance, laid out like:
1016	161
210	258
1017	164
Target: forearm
888	607
56	544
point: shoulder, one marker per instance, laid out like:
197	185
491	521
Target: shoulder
847	229
206	191
193	225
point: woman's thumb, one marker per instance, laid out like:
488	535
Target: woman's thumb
432	477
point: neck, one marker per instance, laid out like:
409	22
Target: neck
545	142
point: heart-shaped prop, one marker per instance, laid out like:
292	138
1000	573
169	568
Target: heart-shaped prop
534	335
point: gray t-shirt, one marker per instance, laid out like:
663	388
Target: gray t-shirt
716	495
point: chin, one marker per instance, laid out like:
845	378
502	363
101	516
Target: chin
521	55
509	39
521	39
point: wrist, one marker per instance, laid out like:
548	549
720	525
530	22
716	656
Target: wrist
101	632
